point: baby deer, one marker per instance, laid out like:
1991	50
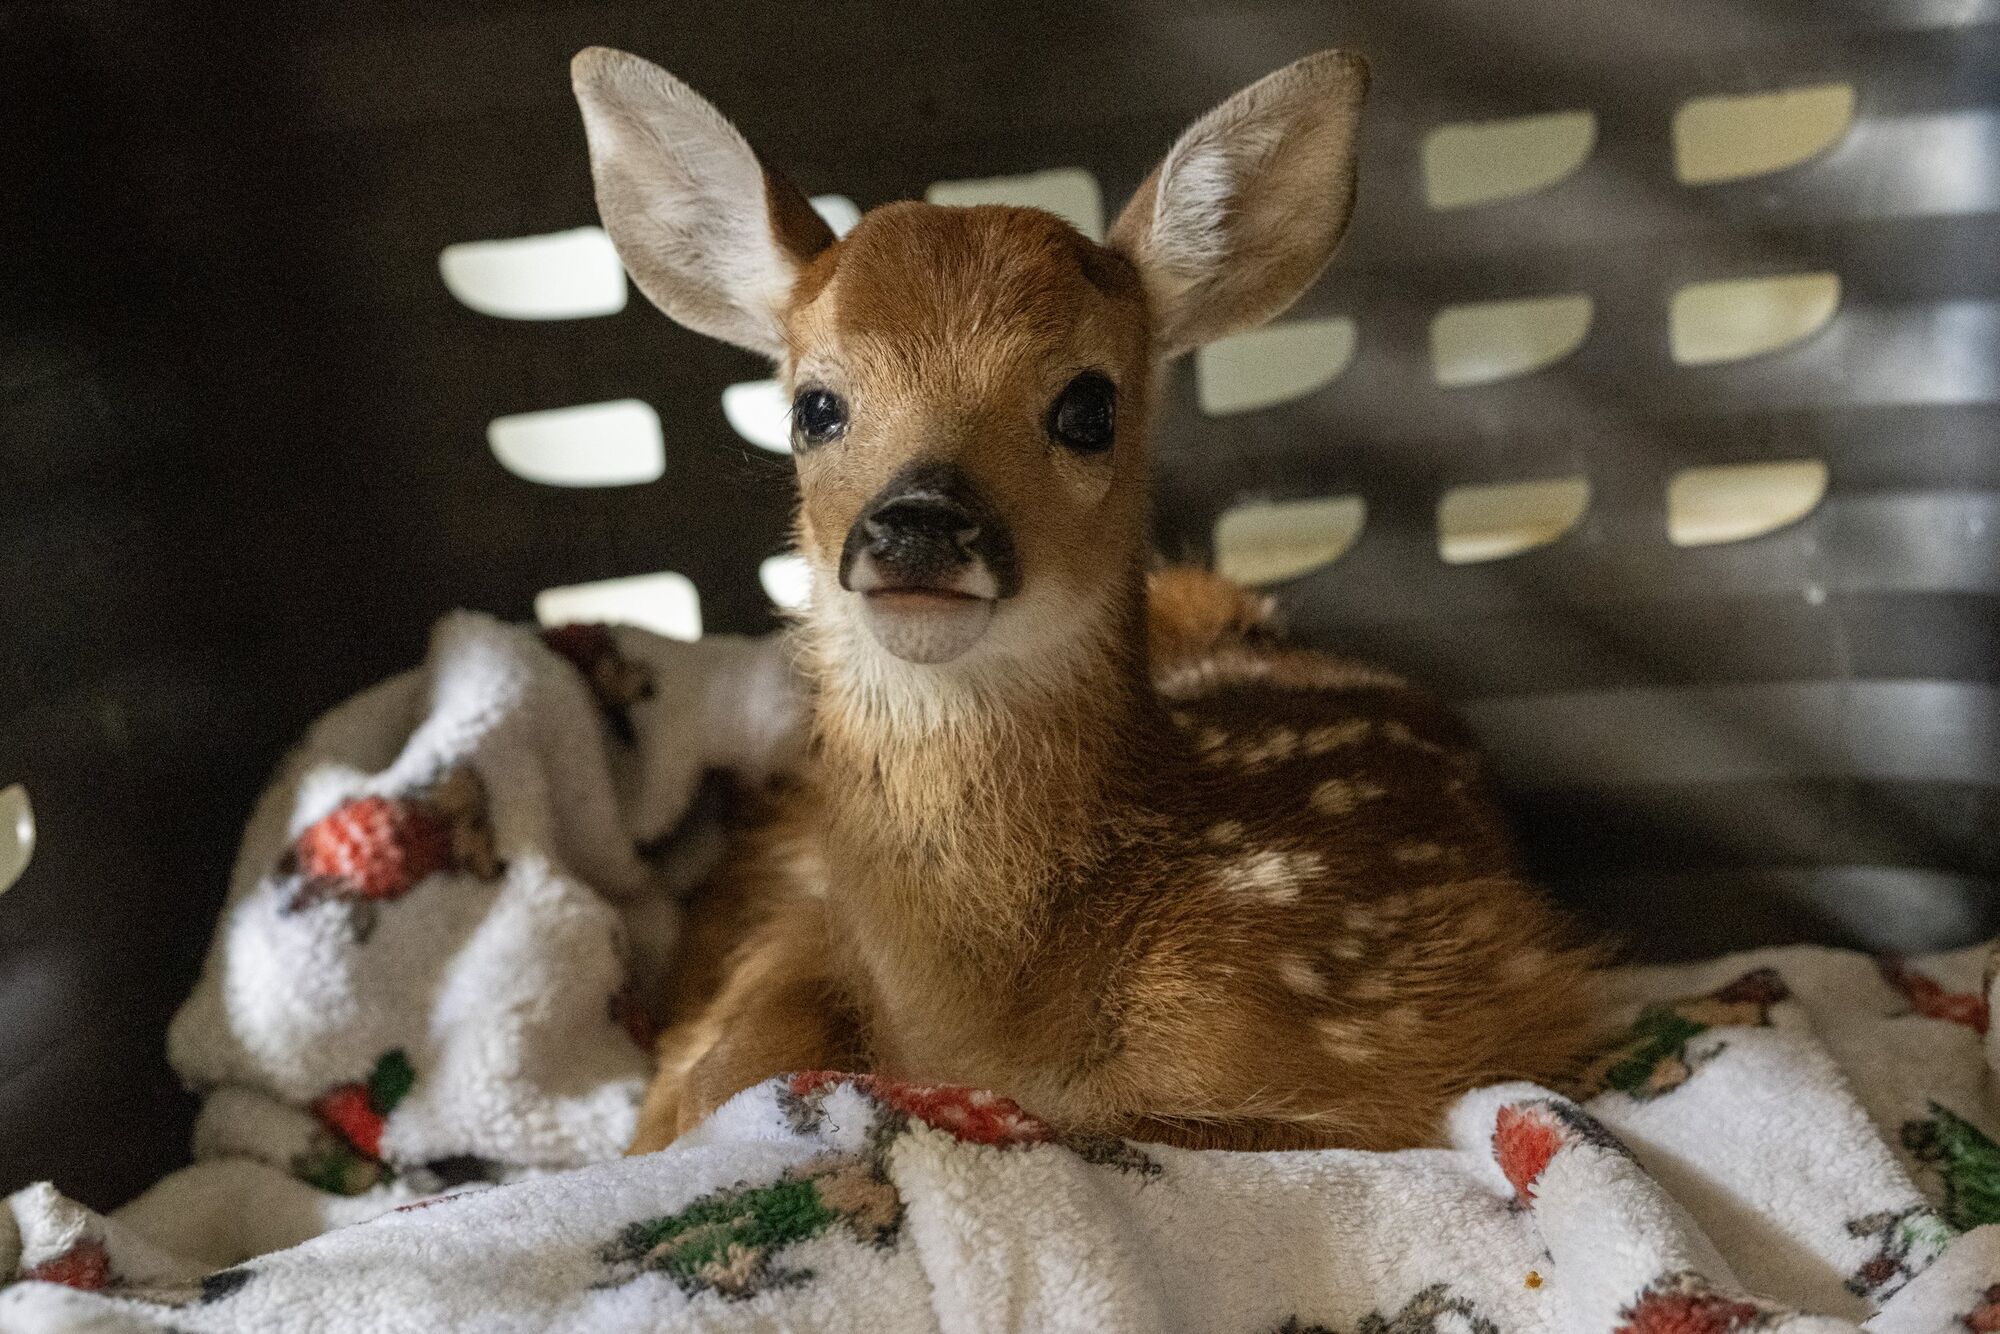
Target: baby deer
1113	855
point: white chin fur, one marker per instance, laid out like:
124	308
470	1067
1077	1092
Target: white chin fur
928	634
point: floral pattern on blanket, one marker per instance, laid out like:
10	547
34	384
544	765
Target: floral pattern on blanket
732	1242
1656	1055
346	1153
830	1201
1967	1163
1985	1317
1435	1310
1929	998
616	681
372	850
971	1116
1685	1303
87	1266
1906	1242
1528	1135
729	1242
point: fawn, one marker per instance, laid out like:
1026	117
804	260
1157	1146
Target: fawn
1111	852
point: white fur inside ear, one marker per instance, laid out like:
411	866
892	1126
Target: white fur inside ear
1247	207
1202	180
684	199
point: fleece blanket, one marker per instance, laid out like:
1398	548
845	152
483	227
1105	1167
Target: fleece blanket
421	1033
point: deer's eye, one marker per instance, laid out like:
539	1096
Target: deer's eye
818	415
1085	413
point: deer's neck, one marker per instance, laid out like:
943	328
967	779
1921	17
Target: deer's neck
962	817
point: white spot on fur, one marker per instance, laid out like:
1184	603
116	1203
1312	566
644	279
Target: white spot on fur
1225	832
1340	796
1399	734
1404	1018
1335	796
1273	875
1199	678
1275	746
1332	736
1375	987
1344	1039
1348	948
1300	976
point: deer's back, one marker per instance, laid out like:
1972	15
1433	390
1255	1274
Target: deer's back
1324	935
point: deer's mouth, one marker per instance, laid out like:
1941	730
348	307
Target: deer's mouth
929	558
926	624
920	598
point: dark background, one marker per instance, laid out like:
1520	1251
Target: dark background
243	466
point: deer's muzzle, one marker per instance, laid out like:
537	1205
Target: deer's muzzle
930	530
930	557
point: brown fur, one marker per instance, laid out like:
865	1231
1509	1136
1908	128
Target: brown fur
1127	858
1162	998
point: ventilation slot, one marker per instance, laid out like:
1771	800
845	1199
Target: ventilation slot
1482	523
1733	138
1268	541
1730	320
17	835
1500	340
1067	192
593	444
1708	506
561	276
787	580
666	604
837	211
1266	367
757	411
1489	161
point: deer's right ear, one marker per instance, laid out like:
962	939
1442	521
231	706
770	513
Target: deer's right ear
710	236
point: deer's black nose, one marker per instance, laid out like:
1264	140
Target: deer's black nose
924	527
919	516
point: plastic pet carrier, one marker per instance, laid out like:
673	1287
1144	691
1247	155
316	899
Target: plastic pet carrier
1651	412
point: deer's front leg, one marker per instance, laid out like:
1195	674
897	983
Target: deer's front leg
779	1009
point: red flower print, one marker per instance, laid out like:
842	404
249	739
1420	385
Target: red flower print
1985	1317
974	1116
1685	1304
349	1161
1929	999
85	1265
1524	1140
346	1109
808	1082
376	848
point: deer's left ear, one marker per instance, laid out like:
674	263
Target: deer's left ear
1246	209
710	236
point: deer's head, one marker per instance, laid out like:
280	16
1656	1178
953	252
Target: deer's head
971	386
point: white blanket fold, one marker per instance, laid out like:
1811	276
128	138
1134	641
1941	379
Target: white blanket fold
421	1036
